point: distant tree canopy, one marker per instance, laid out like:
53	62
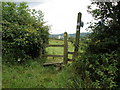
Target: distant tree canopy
24	32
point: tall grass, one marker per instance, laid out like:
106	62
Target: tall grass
34	75
31	75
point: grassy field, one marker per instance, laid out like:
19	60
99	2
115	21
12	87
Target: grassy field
33	75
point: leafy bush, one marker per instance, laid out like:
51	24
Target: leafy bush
105	31
99	71
24	33
99	64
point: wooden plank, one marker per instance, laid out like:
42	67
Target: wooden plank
54	55
70	52
77	36
70	59
55	46
54	64
65	60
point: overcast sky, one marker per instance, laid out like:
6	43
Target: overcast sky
62	14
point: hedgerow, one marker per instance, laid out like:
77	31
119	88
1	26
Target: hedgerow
25	34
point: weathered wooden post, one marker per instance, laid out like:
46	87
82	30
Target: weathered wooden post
77	36
65	59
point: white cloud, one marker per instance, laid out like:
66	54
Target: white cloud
62	14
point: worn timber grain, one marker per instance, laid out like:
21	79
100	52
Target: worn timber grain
70	59
77	36
54	55
70	52
65	59
55	46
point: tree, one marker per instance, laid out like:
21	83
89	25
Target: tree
106	30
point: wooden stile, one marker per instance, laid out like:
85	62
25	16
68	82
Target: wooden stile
75	53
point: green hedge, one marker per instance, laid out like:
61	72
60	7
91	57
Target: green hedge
24	33
98	71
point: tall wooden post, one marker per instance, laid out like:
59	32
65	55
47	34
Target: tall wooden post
65	49
77	36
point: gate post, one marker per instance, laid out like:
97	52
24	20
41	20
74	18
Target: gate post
77	36
65	58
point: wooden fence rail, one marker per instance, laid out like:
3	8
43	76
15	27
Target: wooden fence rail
55	46
70	52
55	55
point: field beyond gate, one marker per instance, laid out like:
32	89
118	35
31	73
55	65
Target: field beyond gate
58	50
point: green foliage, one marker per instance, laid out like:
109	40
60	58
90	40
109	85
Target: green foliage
24	33
98	70
105	37
99	65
